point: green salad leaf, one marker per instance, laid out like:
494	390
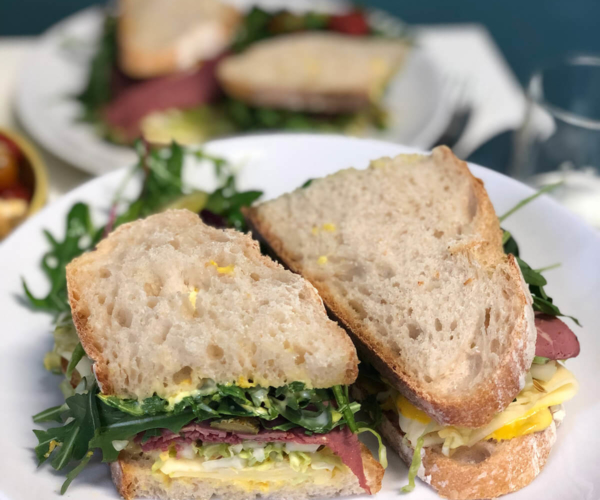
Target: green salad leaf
310	409
98	89
260	24
533	277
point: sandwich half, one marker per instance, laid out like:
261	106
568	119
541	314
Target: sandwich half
318	72
218	370
408	255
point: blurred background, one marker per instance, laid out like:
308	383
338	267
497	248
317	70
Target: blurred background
511	85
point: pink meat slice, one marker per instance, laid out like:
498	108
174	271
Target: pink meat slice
342	442
135	99
555	340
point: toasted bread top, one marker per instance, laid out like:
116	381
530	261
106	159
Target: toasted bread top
167	302
160	37
408	255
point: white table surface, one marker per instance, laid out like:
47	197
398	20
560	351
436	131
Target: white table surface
464	53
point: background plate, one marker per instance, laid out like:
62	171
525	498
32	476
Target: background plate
546	233
57	69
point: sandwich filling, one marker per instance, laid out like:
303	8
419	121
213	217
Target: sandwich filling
257	437
548	384
264	460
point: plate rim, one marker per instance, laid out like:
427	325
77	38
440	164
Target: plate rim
93	163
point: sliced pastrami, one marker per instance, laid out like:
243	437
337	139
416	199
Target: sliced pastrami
555	340
135	99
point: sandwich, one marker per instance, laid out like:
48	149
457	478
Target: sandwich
327	73
156	72
463	375
214	371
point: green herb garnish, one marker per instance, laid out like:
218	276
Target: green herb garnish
533	277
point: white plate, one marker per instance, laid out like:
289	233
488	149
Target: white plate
546	232
57	68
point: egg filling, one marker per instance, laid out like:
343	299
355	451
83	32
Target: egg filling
546	387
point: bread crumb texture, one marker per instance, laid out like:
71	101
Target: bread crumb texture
415	267
166	302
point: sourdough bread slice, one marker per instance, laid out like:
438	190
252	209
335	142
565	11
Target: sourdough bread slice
158	37
134	479
167	302
486	470
408	255
315	72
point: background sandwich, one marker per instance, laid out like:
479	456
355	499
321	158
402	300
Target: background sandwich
207	376
409	255
155	72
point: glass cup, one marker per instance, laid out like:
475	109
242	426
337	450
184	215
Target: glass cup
559	141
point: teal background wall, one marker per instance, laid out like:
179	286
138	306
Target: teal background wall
527	31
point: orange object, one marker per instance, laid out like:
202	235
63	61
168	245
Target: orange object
9	167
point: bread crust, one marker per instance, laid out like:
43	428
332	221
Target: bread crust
146	62
127	476
79	278
495	393
303	85
278	98
495	469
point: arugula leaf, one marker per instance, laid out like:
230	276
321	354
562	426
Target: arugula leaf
129	427
529	199
79	235
97	91
75	472
78	353
227	203
533	277
248	118
51	414
343	402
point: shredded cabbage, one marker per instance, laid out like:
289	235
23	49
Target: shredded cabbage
382	449
414	466
258	456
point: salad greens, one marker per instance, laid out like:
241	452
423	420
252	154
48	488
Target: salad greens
542	302
294	403
224	115
98	90
259	24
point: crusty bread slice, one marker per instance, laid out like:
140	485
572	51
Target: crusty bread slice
408	255
134	479
166	302
159	37
486	470
316	72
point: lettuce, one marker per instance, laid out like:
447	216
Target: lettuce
298	405
414	466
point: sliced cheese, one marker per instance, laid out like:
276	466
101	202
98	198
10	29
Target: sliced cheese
264	478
